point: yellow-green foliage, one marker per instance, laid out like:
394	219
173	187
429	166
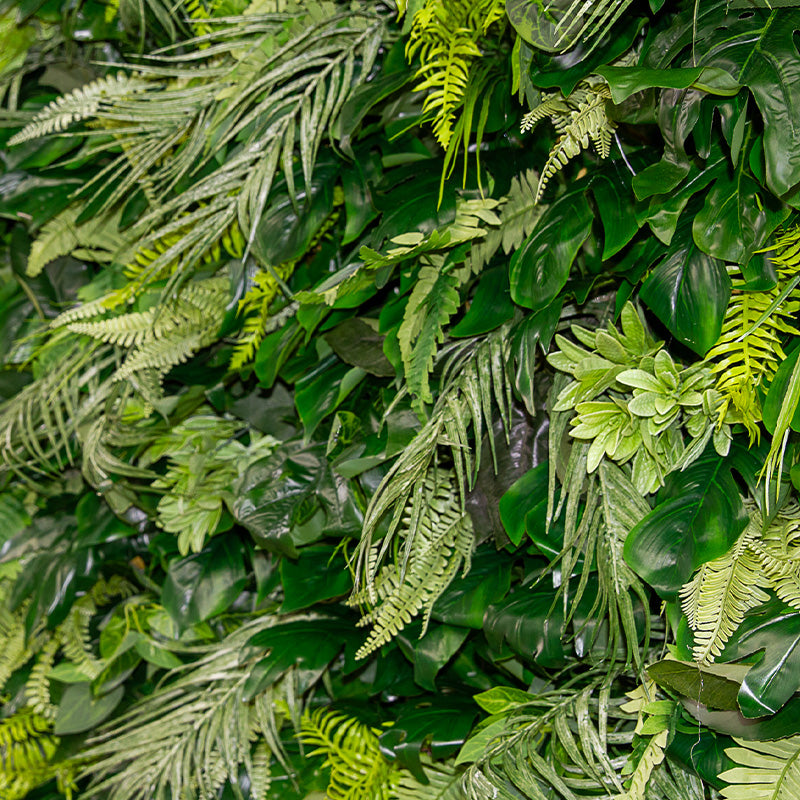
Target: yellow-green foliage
749	350
358	771
445	34
27	747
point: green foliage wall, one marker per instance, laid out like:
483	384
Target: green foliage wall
399	401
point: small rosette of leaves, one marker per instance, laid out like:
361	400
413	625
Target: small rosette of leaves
634	403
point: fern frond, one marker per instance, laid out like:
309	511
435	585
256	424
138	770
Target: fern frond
437	542
653	755
475	387
749	349
433	301
358	770
445	35
579	119
769	770
80	104
27	747
717	598
37	687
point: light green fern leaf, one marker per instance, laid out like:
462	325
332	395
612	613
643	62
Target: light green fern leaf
437	543
766	770
653	755
433	301
80	104
717	598
445	34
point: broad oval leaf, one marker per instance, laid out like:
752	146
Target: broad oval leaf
540	268
700	518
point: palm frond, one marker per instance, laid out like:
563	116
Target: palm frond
557	26
556	746
190	735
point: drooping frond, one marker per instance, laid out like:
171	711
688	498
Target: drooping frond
579	119
652	756
165	335
80	104
189	736
769	770
445	34
749	348
358	770
473	383
717	598
40	426
437	542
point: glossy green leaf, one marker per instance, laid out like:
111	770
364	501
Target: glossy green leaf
501	699
540	267
714	686
440	728
310	644
490	306
736	218
319	573
464	601
527	494
775	676
80	711
625	81
699	517
688	291
430	653
203	585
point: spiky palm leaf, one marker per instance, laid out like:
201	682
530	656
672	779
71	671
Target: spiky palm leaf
193	733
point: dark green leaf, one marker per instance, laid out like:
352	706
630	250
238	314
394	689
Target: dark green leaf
775	677
688	291
625	81
540	267
527	494
714	686
490	307
203	585
317	575
699	518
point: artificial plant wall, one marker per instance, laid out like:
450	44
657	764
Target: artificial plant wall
399	401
